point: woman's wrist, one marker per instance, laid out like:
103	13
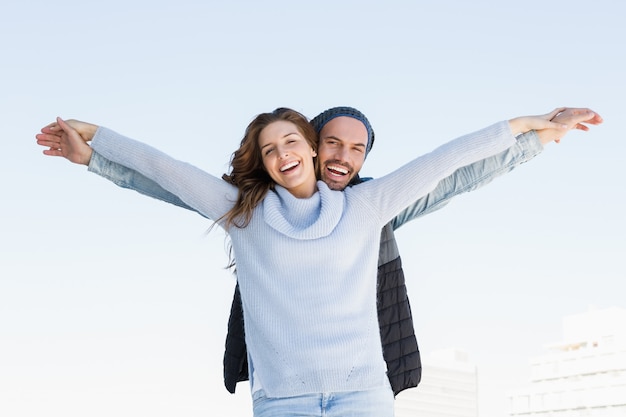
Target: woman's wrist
517	126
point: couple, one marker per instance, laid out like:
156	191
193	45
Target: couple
311	327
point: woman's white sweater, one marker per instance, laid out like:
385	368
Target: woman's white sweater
307	267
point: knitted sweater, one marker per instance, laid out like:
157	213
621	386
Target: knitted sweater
307	267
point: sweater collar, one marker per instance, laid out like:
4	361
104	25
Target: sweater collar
303	218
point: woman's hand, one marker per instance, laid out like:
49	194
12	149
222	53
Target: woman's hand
574	118
554	126
85	130
526	123
61	139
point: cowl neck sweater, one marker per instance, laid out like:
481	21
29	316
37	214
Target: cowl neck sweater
307	267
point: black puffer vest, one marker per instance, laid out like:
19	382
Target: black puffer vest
400	350
395	321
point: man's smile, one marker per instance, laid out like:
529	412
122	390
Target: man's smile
336	169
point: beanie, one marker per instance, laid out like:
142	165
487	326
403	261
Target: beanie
319	121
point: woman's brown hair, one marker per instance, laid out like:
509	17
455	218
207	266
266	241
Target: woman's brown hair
247	171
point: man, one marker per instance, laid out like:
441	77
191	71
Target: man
346	137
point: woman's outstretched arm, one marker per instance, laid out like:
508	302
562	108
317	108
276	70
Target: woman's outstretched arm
208	195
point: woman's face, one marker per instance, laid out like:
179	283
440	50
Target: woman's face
288	158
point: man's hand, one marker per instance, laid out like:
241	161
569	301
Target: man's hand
573	118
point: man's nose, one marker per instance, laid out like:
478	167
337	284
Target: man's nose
341	154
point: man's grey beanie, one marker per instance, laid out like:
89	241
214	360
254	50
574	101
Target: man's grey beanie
326	116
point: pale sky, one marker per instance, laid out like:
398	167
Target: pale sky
115	304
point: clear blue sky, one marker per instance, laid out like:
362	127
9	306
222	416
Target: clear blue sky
115	304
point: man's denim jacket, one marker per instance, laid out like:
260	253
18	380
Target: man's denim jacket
463	180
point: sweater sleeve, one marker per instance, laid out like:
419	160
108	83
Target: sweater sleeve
394	192
208	195
472	177
127	178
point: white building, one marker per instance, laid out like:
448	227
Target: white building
448	388
584	375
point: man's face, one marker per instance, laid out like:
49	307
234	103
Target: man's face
341	151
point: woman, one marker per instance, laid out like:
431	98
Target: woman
310	313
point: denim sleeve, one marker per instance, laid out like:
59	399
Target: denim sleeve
471	177
128	178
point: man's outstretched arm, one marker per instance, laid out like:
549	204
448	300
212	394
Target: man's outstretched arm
131	179
472	177
481	173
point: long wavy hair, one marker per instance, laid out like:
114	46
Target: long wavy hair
247	171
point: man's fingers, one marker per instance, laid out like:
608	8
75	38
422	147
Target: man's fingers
49	144
580	126
51	141
52	152
48	136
